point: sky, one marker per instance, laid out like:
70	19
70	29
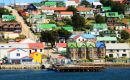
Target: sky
29	1
19	1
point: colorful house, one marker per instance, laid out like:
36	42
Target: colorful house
61	47
82	37
16	55
50	4
36	19
66	14
100	27
118	50
71	3
36	56
107	39
81	50
46	27
105	9
112	18
8	18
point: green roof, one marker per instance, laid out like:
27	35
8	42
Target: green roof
38	4
37	16
47	26
106	39
100	26
68	28
112	14
121	16
106	8
81	45
50	4
8	17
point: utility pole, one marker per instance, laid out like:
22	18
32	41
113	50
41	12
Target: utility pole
14	3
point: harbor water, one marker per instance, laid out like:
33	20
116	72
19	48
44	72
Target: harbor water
107	74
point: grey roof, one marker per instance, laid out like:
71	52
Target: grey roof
117	46
14	45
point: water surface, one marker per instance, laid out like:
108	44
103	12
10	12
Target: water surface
107	74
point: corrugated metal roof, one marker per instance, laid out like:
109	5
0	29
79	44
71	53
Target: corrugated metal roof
117	46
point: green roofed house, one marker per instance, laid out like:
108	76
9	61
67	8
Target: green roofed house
107	39
112	14
82	50
112	18
68	28
100	27
46	27
8	18
50	4
106	9
34	19
38	4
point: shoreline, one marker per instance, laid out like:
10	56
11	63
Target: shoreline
39	67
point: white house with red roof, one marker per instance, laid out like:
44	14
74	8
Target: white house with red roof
61	47
67	14
71	3
16	51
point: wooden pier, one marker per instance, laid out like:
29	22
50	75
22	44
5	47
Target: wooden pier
78	68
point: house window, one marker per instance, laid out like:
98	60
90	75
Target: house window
79	39
111	50
40	50
35	50
117	50
18	54
124	50
124	55
110	55
30	51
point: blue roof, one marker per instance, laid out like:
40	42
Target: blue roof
72	36
26	58
88	36
100	45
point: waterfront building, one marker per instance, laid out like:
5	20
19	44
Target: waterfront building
61	47
15	52
36	56
48	10
65	14
118	50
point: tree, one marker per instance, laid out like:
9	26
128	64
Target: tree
118	7
106	2
73	9
125	35
64	33
49	37
4	11
99	19
78	21
85	3
67	21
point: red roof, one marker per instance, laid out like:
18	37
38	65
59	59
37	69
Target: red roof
76	37
60	8
12	50
36	45
83	9
61	44
77	1
67	12
54	8
128	30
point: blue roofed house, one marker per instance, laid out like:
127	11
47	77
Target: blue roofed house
101	49
82	37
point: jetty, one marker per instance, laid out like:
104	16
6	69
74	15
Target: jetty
77	68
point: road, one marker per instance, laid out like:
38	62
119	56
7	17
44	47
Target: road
25	29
